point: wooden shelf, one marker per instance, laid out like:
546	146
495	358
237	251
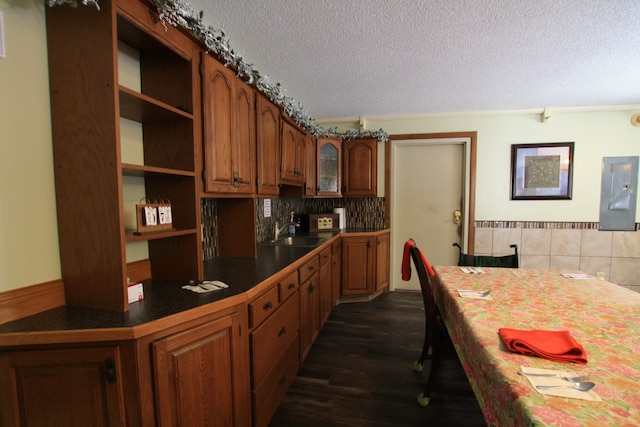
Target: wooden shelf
162	234
142	108
129	169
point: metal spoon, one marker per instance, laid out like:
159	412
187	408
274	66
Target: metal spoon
570	379
582	386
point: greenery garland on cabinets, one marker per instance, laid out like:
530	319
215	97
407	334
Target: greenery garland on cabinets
181	14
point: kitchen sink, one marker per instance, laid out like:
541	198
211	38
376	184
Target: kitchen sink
299	241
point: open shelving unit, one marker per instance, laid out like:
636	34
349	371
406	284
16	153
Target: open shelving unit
89	103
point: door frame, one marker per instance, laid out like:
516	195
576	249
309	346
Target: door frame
469	140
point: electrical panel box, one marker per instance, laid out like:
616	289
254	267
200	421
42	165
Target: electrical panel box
618	193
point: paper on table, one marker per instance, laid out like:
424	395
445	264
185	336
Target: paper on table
473	294
471	270
576	276
561	392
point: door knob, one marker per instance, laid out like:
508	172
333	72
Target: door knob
456	216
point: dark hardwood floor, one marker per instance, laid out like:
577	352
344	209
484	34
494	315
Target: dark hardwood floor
359	372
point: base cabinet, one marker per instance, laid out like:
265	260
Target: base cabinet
195	374
324	281
336	271
358	262
65	387
365	264
382	261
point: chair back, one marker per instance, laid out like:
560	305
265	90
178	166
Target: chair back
506	261
431	310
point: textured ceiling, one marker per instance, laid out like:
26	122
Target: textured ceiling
350	58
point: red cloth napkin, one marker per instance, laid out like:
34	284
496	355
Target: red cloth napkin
558	346
406	261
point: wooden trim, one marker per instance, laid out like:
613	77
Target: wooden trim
473	152
22	302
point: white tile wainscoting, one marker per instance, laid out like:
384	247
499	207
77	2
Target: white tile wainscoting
575	246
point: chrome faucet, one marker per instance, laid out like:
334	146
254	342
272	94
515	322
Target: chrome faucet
277	231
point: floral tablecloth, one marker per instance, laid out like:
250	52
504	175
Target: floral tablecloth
604	318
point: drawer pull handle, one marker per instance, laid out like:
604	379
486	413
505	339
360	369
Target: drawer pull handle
312	287
267	305
291	286
283	331
283	379
311	268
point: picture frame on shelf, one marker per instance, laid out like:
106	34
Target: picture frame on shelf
542	171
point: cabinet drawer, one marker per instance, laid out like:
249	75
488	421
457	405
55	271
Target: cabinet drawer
271	339
262	307
325	256
288	286
336	247
267	397
308	269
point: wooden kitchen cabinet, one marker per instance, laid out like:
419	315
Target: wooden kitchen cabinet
274	346
310	176
383	255
275	360
360	168
324	282
309	306
336	271
365	264
358	265
267	146
201	374
329	167
292	155
65	387
100	174
228	106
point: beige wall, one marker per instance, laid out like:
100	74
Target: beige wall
28	231
613	255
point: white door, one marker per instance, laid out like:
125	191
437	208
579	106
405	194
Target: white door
428	185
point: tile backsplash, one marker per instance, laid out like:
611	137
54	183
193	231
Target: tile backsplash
360	213
565	245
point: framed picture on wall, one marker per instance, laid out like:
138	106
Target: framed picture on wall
541	171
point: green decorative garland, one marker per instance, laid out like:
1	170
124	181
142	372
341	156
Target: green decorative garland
180	14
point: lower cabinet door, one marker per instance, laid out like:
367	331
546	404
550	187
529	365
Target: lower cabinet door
194	373
65	387
267	397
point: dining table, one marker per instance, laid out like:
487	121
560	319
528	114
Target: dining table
604	318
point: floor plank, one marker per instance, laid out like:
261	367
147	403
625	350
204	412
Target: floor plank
359	372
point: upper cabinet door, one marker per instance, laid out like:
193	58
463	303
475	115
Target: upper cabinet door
360	168
244	139
267	146
288	153
229	130
329	167
310	177
217	99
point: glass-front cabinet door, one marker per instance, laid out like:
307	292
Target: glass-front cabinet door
329	167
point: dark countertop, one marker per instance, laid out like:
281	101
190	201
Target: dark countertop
164	298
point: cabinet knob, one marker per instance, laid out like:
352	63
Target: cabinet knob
267	305
237	179
109	370
282	331
291	285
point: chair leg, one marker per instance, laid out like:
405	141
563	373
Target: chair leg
424	397
418	365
